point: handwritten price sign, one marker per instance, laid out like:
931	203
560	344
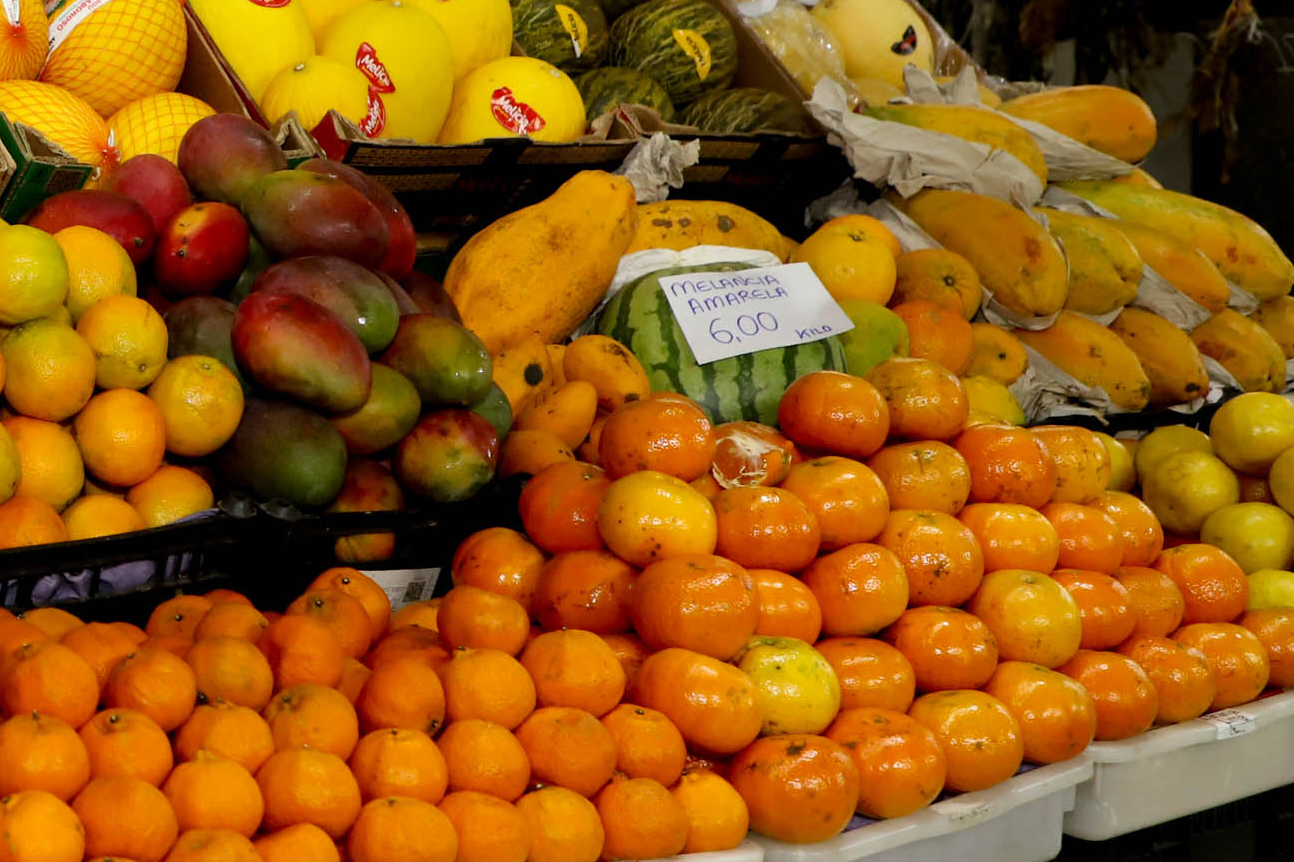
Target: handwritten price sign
724	314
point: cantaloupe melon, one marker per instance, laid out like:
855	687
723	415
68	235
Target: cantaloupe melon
64	118
113	52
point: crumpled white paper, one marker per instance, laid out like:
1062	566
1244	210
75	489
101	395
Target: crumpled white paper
634	266
909	159
655	165
1045	391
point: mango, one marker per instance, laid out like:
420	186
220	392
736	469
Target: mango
496	408
296	213
450	455
153	182
444	360
355	294
402	242
202	247
116	215
429	296
285	452
877	335
203	325
294	346
390	412
223	155
368	487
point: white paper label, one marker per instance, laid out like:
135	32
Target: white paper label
961	812
725	314
12	12
405	586
1231	722
69	17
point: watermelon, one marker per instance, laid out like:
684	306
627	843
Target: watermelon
603	89
740	387
571	34
744	110
685	45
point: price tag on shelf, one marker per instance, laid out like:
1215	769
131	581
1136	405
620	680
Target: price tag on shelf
1231	722
725	314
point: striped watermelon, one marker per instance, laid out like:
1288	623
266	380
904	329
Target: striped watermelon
744	110
570	34
741	387
603	89
685	45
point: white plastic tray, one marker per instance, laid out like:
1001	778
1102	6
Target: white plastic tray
746	851
1178	770
1019	820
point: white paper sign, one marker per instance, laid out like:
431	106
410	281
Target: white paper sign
1231	722
725	314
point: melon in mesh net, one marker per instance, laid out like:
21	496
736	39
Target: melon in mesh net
24	38
155	124
64	118
122	51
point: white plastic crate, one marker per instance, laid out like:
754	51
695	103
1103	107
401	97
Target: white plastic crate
1019	820
747	851
1184	768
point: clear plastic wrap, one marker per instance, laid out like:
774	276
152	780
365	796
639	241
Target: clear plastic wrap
800	43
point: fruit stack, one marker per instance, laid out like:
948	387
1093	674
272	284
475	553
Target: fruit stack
256	339
97	79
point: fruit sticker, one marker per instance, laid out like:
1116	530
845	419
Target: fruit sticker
907	44
515	116
695	46
68	18
374	116
574	25
271	4
379	82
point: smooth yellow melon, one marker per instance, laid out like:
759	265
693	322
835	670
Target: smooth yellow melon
24	39
877	38
258	40
314	87
120	51
512	97
479	31
64	118
156	124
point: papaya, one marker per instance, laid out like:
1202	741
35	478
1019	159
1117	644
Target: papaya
1110	119
1093	355
1184	266
1244	348
1168	356
616	374
1104	267
978	125
566	413
996	353
1277	317
1017	260
683	224
524	372
1239	247
1138	177
541	270
557	359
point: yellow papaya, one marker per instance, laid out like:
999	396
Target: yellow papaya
1093	355
566	413
1244	348
524	373
557	361
1017	260
1110	119
996	353
682	224
1168	356
541	270
1238	246
1104	267
616	374
1138	177
1277	317
1184	266
969	123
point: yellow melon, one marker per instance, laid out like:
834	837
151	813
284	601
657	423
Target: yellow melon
479	31
257	38
24	39
512	97
314	87
155	124
321	13
877	38
64	118
406	57
112	53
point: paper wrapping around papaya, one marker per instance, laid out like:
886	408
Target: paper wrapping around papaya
909	159
1046	391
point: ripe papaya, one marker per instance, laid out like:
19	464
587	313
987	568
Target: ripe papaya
1104	267
1168	356
979	125
1244	348
541	270
1093	355
1184	266
1017	260
1109	119
683	224
1238	246
1277	317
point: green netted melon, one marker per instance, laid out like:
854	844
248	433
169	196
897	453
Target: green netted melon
740	387
687	46
570	34
603	89
615	8
744	110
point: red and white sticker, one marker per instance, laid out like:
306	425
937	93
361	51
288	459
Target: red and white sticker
515	116
271	4
375	117
69	17
367	61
